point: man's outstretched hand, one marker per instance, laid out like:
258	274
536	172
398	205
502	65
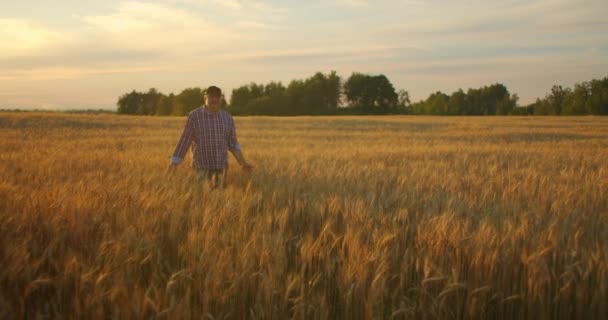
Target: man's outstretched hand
247	166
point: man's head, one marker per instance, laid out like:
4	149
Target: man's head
213	98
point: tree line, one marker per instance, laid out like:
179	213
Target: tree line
157	103
488	100
320	94
327	94
588	97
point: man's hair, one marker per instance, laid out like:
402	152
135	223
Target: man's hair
213	91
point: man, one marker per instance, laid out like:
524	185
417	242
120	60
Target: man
213	133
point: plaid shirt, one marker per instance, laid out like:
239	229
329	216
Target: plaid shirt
213	135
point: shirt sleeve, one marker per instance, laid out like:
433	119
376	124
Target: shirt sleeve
184	142
233	143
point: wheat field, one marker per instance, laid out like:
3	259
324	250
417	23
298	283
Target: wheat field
343	218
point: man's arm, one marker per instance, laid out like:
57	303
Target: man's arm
183	144
238	155
235	149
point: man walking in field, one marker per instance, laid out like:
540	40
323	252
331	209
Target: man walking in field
213	133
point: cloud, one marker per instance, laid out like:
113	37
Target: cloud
255	25
179	31
153	25
72	55
351	3
56	73
326	54
250	7
22	37
232	4
529	77
422	46
267	7
135	37
521	20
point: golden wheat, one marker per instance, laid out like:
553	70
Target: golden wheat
344	217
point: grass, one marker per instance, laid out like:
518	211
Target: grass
344	217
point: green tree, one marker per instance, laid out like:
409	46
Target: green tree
556	99
457	103
188	100
404	102
597	102
322	93
242	98
506	105
129	103
164	105
575	102
541	107
523	111
371	94
437	103
318	94
149	102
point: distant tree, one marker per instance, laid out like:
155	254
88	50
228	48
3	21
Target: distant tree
188	100
129	103
403	101
489	100
505	105
240	97
297	98
261	106
149	102
575	102
457	103
486	100
318	94
371	94
597	102
523	111
122	104
164	105
556	99
278	104
322	93
243	98
541	107
437	103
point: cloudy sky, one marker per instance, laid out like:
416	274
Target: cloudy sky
84	54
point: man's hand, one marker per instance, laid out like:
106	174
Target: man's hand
241	160
247	166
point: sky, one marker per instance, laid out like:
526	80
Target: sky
76	54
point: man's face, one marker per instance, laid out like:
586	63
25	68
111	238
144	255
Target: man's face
213	101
